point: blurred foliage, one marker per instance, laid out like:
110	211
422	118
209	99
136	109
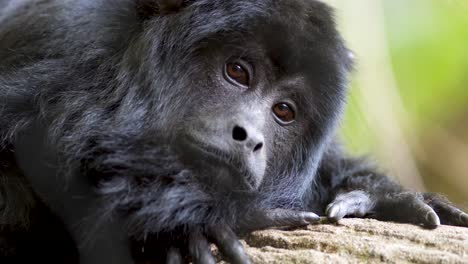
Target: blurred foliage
429	48
428	42
427	45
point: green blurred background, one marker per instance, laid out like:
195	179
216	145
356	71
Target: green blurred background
408	106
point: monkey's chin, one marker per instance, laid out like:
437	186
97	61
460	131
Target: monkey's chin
223	177
219	171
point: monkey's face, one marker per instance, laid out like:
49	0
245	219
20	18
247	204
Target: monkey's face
260	94
227	132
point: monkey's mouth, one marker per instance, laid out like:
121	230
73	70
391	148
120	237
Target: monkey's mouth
216	167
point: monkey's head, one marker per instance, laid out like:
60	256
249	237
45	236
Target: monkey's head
247	92
135	95
243	87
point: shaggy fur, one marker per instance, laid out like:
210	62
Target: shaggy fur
107	90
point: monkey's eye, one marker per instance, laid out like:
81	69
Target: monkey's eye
237	73
284	113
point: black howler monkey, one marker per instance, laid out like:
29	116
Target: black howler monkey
164	125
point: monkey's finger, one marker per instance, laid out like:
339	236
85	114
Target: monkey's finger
174	256
228	244
264	219
426	216
356	203
412	209
288	218
336	211
448	213
200	249
405	207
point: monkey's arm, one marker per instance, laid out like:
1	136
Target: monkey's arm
358	189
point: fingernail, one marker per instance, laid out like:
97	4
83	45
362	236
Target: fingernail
334	212
433	219
311	217
464	218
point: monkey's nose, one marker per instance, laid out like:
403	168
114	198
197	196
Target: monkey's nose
252	139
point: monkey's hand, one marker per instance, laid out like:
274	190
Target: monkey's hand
428	210
226	240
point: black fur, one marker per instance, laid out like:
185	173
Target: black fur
99	98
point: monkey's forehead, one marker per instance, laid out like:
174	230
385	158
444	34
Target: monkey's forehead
293	30
300	16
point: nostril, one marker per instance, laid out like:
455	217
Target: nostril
258	147
239	133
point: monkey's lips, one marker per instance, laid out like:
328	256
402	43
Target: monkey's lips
217	168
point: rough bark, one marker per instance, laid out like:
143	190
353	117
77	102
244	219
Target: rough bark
360	240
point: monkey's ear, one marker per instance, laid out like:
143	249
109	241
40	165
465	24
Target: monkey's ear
149	8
